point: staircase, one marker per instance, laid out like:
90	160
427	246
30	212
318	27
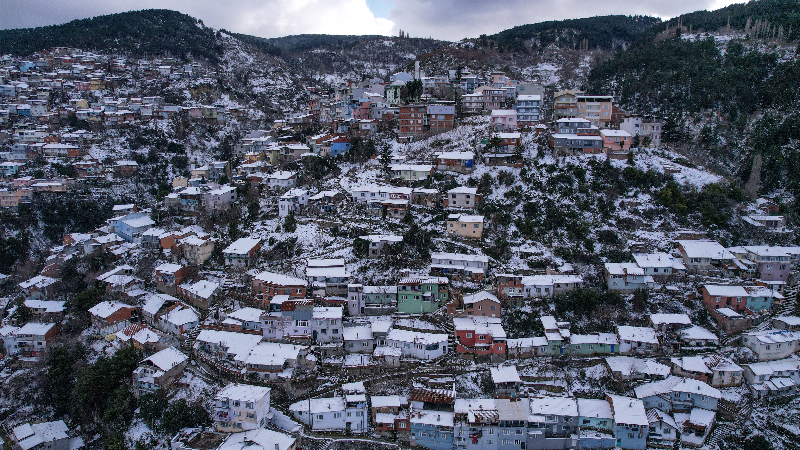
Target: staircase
191	336
716	440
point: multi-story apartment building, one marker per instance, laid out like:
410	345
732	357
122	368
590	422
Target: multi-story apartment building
565	103
595	108
241	407
528	110
421	294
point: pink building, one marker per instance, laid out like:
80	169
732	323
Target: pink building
504	119
616	143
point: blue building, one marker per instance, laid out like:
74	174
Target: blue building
432	429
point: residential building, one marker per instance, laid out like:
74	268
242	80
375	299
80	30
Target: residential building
421	294
472	267
411	172
461	197
461	162
703	256
626	277
480	336
595	108
326	324
202	294
110	317
631	426
639	340
483	303
159	372
504	120
266	285
340	414
528	110
565	104
292	202
379	242
417	345
241	407
371	300
466	226
197	250
328	276
769	345
44	436
242	252
169	277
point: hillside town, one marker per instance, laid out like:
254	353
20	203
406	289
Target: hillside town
374	264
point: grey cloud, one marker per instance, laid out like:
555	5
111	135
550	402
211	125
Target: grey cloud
457	19
442	19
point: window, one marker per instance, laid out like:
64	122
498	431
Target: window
248	405
236	403
251	415
337	415
469	335
319	417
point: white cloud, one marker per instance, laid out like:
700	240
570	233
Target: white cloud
265	18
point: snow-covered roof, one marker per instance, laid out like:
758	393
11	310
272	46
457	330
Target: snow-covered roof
774	336
180	316
456	155
35	329
670	319
242	246
463	190
558	406
482	295
243	392
415	337
637	334
698	333
166	359
481	325
594	338
247	314
155	302
615	133
387	401
628	411
31	435
676	384
319	405
106	309
691	364
238	344
594	408
716	290
705	249
202	289
382	238
505	374
49	306
465	218
39	281
460	257
357	333
139	222
258	439
788	320
168	268
659	260
624	269
628	365
327	312
279	279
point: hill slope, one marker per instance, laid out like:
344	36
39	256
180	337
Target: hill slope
139	33
595	32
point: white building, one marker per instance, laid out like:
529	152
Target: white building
293	201
348	413
769	345
241	407
417	345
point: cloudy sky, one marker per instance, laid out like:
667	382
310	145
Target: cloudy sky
441	19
